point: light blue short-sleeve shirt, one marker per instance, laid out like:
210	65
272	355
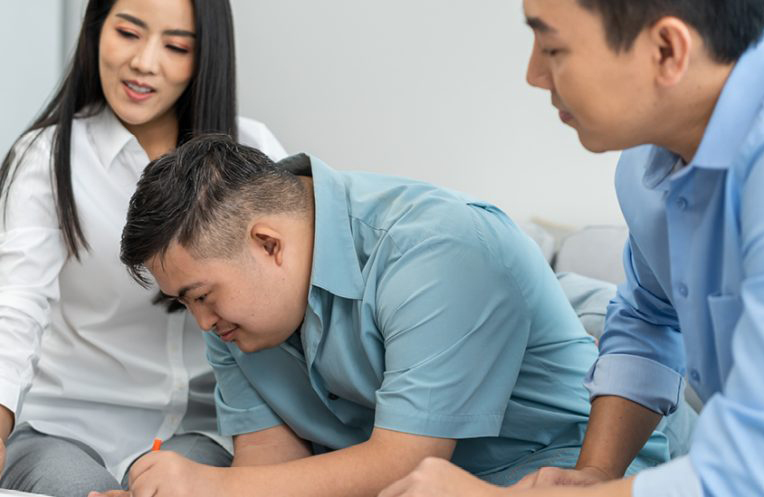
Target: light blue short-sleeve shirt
428	313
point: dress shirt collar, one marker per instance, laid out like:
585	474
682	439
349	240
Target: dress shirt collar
738	105
336	268
108	135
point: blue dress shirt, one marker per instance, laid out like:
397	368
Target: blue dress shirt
428	313
693	302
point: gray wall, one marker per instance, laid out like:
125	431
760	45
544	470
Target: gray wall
432	89
32	38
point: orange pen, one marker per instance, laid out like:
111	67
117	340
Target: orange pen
157	445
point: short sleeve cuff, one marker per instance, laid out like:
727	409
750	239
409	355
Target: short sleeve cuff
235	421
674	479
440	426
644	381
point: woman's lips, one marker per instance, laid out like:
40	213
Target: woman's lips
137	92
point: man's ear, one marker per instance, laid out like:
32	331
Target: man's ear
267	241
672	44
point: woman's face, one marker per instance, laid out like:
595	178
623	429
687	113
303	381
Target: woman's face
146	59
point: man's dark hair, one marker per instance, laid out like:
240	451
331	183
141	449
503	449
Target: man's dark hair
728	27
202	196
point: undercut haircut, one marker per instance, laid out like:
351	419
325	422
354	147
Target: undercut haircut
728	27
203	196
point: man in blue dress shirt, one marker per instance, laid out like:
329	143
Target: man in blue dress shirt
681	85
361	323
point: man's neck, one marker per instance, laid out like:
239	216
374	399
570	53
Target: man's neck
683	122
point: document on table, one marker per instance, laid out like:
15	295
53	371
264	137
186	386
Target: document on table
13	493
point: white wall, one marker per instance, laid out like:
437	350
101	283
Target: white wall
432	89
31	39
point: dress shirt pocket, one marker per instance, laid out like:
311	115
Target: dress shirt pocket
725	312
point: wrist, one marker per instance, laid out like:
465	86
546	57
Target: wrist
598	472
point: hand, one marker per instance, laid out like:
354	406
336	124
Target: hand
553	477
439	478
6	426
167	474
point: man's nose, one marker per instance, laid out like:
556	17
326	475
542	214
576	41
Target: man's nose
205	318
537	73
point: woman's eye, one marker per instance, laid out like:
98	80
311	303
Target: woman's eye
127	34
177	49
550	52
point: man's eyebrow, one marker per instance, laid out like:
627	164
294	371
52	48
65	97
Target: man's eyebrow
538	25
183	291
142	24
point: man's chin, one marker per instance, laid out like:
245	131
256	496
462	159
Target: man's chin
595	144
248	347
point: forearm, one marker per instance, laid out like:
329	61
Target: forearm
6	422
358	471
618	428
268	453
275	445
615	488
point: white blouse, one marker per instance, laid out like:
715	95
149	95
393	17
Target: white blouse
112	370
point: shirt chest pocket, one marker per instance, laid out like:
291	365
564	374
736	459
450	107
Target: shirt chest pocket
725	311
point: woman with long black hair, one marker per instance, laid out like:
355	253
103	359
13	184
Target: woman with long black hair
90	370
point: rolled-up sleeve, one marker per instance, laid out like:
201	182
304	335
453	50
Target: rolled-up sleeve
32	253
240	409
641	352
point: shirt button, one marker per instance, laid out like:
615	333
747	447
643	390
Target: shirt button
333	396
695	376
683	290
681	203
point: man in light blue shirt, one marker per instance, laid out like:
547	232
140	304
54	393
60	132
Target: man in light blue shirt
681	84
361	323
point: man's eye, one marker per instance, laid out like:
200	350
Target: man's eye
550	52
200	298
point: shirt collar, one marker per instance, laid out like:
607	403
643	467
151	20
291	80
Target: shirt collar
739	104
336	268
108	136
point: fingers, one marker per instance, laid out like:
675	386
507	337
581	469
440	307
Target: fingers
143	464
552	477
396	489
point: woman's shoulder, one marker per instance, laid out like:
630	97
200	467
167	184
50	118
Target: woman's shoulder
256	134
251	129
34	146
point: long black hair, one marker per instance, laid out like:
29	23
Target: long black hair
207	105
